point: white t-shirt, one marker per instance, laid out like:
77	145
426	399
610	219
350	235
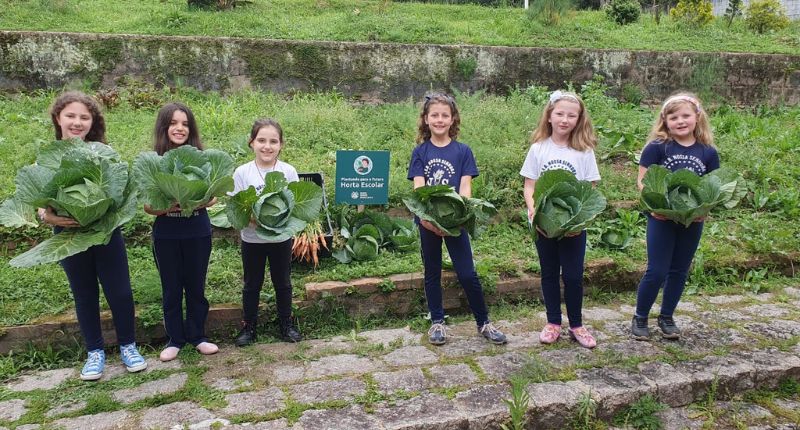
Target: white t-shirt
249	174
546	155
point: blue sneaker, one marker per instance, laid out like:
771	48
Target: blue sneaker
93	369
131	358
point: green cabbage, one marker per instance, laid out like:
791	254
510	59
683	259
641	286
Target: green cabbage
185	175
683	196
564	205
443	207
280	212
84	181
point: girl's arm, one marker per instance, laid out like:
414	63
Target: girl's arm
151	211
465	188
419	181
527	193
642	171
48	216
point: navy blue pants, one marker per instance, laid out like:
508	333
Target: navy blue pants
108	264
460	252
182	265
670	250
254	260
562	259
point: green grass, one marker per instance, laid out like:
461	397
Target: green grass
386	21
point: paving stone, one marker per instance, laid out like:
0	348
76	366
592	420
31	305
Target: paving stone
483	406
389	337
350	418
703	340
405	380
777	329
687	306
672	386
322	347
743	408
502	366
614	388
629	348
322	391
26	427
680	418
65	408
45	380
788	405
732	375
288	373
229	384
167	385
722	300
724	316
281	424
255	402
771	366
339	365
552	403
452	375
628	311
565	357
622	328
209	424
101	421
12	410
522	340
763	297
461	347
767	310
115	370
792	291
410	356
425	412
175	414
602	314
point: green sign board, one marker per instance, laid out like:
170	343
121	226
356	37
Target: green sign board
362	177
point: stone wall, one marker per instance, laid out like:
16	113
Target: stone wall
377	72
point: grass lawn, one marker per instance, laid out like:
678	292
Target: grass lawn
386	21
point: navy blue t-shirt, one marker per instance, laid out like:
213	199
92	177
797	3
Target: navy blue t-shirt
698	158
442	166
174	226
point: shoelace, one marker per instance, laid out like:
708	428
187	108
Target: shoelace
94	358
641	323
130	352
669	322
437	328
490	328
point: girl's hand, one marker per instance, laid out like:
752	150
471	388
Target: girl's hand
699	219
174	208
658	217
573	234
48	216
431	227
210	203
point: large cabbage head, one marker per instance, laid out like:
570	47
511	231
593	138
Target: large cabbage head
86	202
443	207
565	205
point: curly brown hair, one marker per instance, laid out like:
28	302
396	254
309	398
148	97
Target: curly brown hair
97	132
423	130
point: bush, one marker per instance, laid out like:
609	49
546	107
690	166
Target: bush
589	4
623	11
733	10
695	12
549	11
766	15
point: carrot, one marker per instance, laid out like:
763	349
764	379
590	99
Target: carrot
322	240
314	254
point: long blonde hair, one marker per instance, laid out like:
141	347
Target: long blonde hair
702	130
581	138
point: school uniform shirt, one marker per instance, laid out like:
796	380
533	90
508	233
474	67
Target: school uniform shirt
248	175
697	157
546	155
442	165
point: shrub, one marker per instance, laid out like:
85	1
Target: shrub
695	12
623	11
589	4
549	11
766	15
733	10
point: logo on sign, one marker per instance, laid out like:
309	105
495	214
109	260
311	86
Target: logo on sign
362	165
354	195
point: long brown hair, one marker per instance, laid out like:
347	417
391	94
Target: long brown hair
581	138
161	142
423	130
702	130
97	132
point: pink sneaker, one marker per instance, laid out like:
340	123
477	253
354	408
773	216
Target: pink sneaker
550	333
583	337
207	348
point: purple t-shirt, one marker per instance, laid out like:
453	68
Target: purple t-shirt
442	166
698	158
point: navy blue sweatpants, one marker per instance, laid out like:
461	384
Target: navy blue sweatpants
109	264
460	252
562	259
254	260
670	250
182	265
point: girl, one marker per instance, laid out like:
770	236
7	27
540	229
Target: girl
266	141
438	159
680	139
76	115
181	246
564	139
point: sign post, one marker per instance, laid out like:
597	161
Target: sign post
362	177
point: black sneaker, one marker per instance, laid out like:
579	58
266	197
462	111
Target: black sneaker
247	335
639	329
437	335
289	332
668	328
492	334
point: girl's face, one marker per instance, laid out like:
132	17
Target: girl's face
267	145
564	117
75	121
178	131
439	119
682	122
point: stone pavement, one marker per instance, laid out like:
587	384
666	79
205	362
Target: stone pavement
392	379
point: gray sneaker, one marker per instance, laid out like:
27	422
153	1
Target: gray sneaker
668	328
492	334
639	329
437	335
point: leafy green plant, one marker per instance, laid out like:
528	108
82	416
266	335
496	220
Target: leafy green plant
367	232
564	205
362	245
615	238
185	176
623	11
549	12
517	405
585	417
641	415
84	181
683	196
693	12
218	216
443	207
281	211
733	10
766	15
